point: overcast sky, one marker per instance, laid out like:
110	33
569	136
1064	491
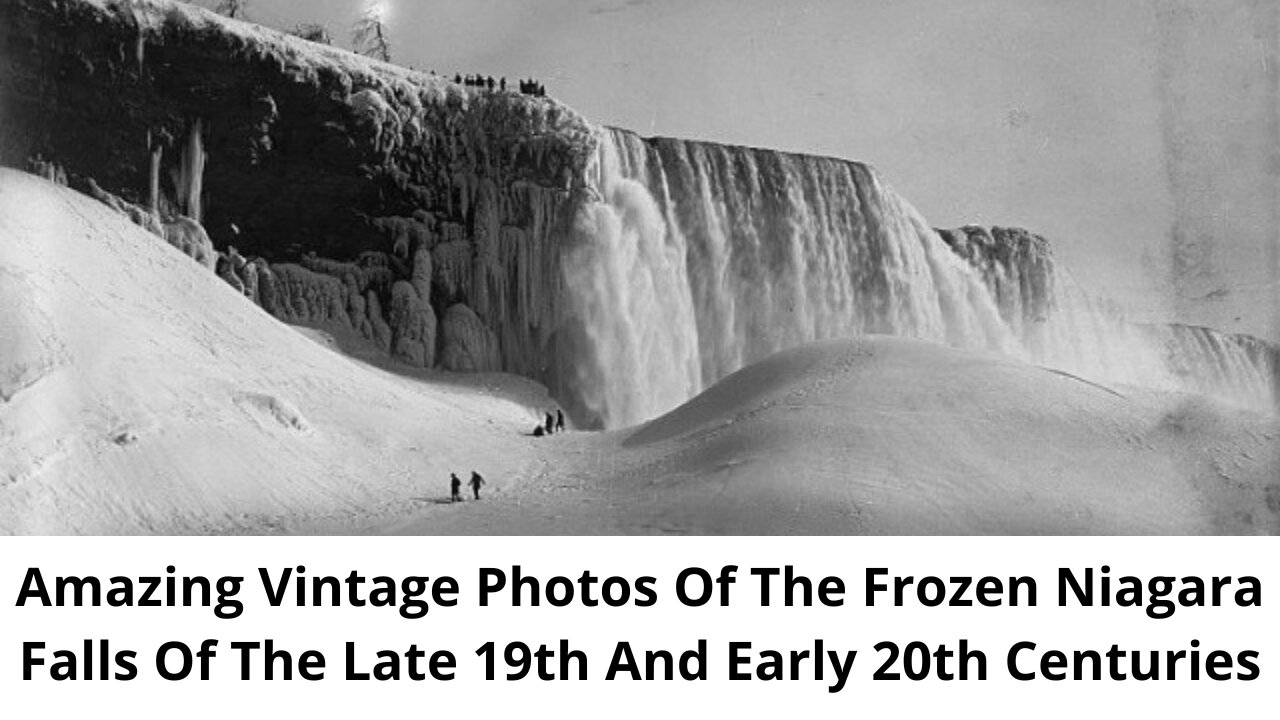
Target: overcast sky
1079	119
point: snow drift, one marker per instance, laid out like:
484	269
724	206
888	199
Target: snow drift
889	435
884	435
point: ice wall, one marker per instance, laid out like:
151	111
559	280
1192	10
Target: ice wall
337	190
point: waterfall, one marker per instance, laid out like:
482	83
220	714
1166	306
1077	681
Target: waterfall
1060	325
696	260
627	280
693	260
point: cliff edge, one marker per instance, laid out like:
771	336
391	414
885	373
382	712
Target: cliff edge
336	189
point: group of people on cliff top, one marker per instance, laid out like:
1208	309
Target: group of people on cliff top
527	87
553	424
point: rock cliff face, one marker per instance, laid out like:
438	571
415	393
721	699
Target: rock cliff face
337	189
1015	264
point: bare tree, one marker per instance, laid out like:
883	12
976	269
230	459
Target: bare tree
369	37
233	8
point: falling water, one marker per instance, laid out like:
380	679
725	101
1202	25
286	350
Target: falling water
696	259
699	259
1060	325
628	281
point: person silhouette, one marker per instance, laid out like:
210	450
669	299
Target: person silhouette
559	420
476	482
550	424
455	486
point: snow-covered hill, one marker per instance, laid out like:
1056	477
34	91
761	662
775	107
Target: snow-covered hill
886	435
141	393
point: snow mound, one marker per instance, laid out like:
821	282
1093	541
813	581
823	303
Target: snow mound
141	393
888	435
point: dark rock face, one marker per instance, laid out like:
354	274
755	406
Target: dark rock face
1017	265
349	182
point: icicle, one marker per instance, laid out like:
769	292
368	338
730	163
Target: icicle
191	174
153	193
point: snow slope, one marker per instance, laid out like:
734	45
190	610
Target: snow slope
897	436
885	435
139	393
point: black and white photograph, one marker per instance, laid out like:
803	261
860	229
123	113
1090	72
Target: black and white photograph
639	267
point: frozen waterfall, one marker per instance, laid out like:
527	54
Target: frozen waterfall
695	259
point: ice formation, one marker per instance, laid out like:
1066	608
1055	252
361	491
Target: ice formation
189	178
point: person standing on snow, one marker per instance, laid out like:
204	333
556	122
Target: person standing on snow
455	485
476	482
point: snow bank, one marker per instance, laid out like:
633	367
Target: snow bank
888	435
141	393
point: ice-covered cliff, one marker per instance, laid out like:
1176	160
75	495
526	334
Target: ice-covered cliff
481	230
414	210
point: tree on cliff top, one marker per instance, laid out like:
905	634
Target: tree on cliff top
369	36
232	8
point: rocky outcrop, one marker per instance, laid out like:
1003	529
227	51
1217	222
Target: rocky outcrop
1017	265
340	177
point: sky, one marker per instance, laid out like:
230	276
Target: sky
1127	132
